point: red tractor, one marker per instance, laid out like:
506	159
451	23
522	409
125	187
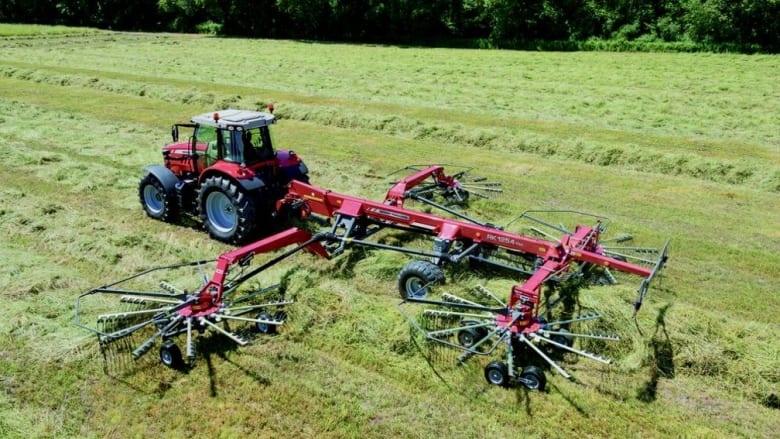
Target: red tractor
225	171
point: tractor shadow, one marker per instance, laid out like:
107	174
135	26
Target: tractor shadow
663	358
190	222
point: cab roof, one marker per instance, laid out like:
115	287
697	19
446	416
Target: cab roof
246	119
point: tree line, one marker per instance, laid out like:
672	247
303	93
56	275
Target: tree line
747	25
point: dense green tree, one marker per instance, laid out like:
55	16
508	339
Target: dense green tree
747	24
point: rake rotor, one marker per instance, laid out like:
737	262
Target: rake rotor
430	185
153	309
146	317
482	325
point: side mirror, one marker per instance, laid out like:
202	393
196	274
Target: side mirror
175	133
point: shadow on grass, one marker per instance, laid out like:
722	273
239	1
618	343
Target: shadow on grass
663	356
344	265
579	408
221	346
119	364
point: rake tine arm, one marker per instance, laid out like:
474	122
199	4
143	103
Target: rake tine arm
642	292
582	353
502	311
544	356
116	335
227	334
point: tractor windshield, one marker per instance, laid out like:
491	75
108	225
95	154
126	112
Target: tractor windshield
252	146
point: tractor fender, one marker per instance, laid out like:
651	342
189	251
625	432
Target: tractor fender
251	184
246	184
168	179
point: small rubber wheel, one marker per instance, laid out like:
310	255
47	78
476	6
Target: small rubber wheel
497	373
533	378
265	328
563	339
458	196
170	356
467	337
416	277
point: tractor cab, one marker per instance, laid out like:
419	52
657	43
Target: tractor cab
239	142
222	167
236	136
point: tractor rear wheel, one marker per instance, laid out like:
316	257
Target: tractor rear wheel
416	278
227	212
156	202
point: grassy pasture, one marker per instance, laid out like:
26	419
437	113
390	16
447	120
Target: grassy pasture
680	146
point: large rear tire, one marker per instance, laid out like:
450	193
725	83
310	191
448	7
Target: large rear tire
157	203
416	277
228	213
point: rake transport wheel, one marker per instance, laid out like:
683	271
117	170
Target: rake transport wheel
265	328
227	212
416	277
468	336
156	202
497	373
170	355
533	378
564	338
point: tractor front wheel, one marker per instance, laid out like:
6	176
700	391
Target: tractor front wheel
156	202
227	212
416	277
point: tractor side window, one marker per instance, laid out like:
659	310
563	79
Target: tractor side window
232	146
208	136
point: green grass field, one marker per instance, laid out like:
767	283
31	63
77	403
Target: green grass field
680	146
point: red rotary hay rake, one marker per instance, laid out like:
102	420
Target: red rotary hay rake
520	333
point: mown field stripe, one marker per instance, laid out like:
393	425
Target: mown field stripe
745	171
555	129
